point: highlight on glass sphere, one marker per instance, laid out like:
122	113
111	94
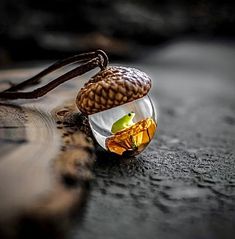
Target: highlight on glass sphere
126	129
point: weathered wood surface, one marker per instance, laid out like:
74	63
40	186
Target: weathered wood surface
45	162
183	185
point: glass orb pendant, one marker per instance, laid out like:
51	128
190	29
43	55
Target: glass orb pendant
121	115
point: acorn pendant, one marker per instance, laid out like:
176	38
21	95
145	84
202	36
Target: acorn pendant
121	114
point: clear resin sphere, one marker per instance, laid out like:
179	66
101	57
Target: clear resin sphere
126	129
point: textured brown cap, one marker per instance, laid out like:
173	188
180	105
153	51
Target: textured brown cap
112	87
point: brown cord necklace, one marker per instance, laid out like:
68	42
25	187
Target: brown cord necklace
121	115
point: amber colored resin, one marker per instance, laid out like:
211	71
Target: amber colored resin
133	139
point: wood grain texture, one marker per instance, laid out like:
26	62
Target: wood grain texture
45	161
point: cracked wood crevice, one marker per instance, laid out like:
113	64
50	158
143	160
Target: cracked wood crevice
45	164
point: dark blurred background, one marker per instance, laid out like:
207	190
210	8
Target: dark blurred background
37	30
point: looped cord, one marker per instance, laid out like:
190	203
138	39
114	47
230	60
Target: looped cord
103	59
89	61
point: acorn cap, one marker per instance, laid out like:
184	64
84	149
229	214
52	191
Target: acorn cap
112	87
